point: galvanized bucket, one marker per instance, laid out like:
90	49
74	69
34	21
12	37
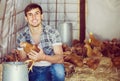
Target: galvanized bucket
65	30
15	71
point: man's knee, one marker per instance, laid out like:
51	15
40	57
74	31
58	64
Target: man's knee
59	70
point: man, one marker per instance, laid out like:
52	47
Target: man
49	67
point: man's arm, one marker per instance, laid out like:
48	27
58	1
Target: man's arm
58	55
41	56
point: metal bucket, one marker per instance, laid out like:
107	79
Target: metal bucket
15	71
65	30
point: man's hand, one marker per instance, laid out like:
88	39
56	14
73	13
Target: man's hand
36	56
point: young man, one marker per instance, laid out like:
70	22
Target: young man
49	67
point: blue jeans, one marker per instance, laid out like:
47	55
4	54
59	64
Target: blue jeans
54	72
58	72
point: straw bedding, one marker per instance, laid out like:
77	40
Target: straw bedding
102	73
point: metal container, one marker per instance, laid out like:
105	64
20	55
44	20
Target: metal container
15	71
65	30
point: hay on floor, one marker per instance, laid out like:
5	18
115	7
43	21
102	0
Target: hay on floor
100	74
86	74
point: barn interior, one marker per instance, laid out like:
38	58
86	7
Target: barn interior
89	30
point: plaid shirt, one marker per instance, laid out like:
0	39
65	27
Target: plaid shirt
49	37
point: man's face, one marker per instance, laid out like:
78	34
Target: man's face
34	17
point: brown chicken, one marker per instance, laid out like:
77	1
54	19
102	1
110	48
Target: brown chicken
92	62
69	69
92	51
13	56
89	50
74	59
116	62
27	48
94	41
65	47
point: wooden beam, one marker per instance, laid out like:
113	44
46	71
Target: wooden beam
82	21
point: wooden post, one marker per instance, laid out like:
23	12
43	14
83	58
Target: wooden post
82	21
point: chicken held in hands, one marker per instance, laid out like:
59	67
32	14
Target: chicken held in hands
27	48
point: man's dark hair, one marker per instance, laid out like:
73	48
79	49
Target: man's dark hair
32	6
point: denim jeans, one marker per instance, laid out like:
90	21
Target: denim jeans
55	72
58	72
